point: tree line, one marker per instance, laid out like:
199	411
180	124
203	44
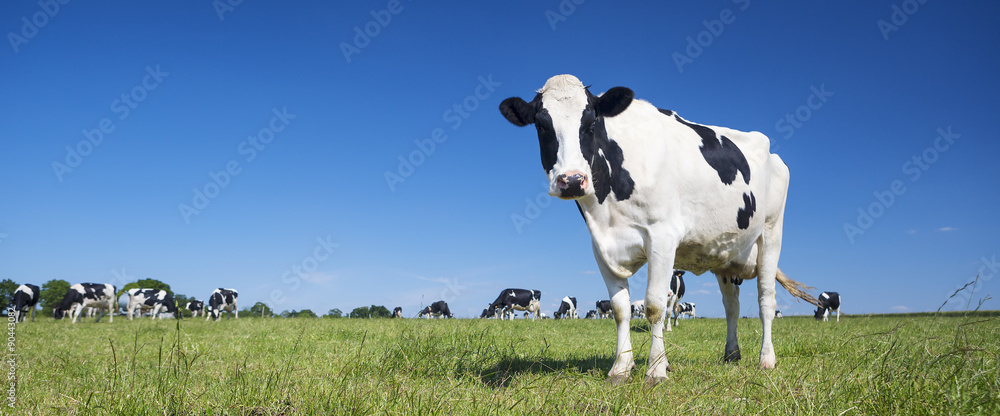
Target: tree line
53	291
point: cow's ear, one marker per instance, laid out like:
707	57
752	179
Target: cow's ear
614	101
518	112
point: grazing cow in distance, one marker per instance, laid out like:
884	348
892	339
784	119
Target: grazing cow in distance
153	299
675	295
221	300
87	295
685	308
828	301
591	314
195	306
515	299
25	299
604	309
638	309
567	309
655	188
777	314
397	312
437	309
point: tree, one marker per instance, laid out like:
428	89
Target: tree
306	313
52	295
259	307
374	311
334	313
7	289
379	312
359	312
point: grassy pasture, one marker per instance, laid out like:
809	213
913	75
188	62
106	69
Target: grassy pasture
916	364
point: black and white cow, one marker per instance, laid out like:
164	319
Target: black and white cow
510	300
604	309
674	296
828	301
685	308
153	299
219	301
655	188
195	306
87	295
591	314
397	313
638	309
777	314
437	309
567	309
25	299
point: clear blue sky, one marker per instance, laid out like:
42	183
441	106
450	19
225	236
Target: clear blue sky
198	86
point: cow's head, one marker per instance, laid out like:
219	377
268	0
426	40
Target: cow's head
58	313
578	156
820	311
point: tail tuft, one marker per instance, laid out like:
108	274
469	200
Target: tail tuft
796	289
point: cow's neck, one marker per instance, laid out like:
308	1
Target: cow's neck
617	237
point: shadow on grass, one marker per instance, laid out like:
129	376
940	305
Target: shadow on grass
507	369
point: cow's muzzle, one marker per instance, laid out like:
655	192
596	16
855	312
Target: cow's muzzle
572	184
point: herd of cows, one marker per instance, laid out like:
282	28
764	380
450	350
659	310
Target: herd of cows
653	188
103	296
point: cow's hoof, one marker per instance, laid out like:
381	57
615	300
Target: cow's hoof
617	379
732	357
651	382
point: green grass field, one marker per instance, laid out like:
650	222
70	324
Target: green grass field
894	365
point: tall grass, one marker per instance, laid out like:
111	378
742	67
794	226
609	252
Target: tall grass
914	364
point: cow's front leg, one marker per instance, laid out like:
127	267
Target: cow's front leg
661	265
618	291
729	286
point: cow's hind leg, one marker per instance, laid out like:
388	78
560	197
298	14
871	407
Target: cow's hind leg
729	286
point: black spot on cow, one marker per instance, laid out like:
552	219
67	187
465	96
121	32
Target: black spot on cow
721	153
668	113
603	153
745	213
521	113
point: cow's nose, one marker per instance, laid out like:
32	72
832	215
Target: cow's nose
570	181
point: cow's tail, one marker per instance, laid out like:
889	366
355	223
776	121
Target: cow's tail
796	289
